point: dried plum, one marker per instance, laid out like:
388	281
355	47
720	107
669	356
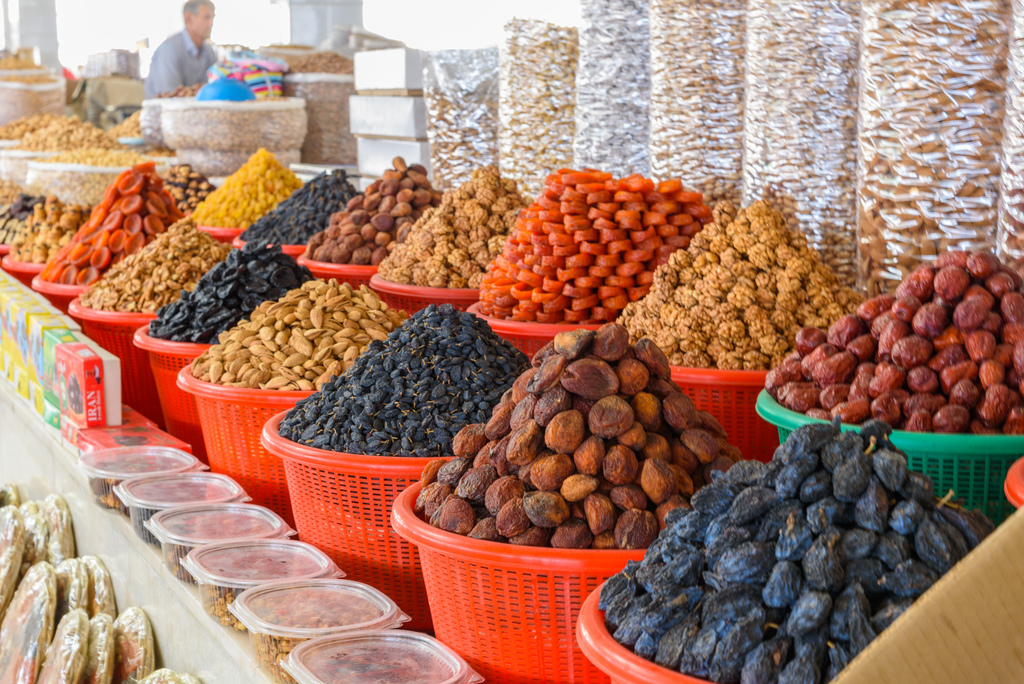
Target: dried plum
809	613
800	670
878	429
972	525
746	562
851	477
892	549
670	649
861	633
852	598
906	516
888	611
920	488
910	579
828	511
816	487
822	566
841	448
770	474
857	543
743	473
805	442
764	663
838	658
935	545
792	477
774	520
629	627
723	608
795	539
732	650
714	499
751	503
698	653
730	537
872	509
866	571
890	467
784	585
305	212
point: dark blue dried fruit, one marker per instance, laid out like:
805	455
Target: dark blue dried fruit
872	509
841	448
906	516
670	649
851	477
795	539
888	611
764	663
751	503
713	499
732	650
857	543
890	467
910	579
822	567
792	477
935	545
800	671
972	525
892	549
774	520
851	599
816	487
744	563
919	487
784	585
829	511
809	613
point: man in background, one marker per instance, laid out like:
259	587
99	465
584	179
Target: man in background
182	59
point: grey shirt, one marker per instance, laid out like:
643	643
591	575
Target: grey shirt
178	62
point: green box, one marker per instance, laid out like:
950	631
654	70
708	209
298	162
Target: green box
51	337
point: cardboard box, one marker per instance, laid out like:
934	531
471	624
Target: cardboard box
36	353
967	629
89	380
49	412
51	337
376	154
393	69
388	117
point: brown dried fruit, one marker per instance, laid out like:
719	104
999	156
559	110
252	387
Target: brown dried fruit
870	309
512	519
651	355
856	411
474	484
455	516
981	264
845	329
470	440
572	534
546	509
979	292
534	536
930	320
573	344
636	529
995	406
566	431
610	417
633	376
818	355
967	370
1014	424
628	496
948	356
922	380
524	444
548	374
604	541
951	282
549	472
836	368
1012	307
949	337
669	504
789	371
519	386
919	422
929	403
578	487
679	411
965	393
589	456
808	339
429	473
917	284
452	471
904	308
863	348
888	377
951	418
799	396
430	498
550	404
610	342
498	457
980	345
486	529
635	437
657	447
895	331
601	513
991	373
590	378
620	465
833	395
970	314
911	351
647	411
501	491
886	409
661	388
703	445
657	480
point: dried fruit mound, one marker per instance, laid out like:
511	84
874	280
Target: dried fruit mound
785	572
411	394
591	448
452	245
135	209
228	293
250	192
588	247
945	354
306	212
300	341
157	275
737	296
187	186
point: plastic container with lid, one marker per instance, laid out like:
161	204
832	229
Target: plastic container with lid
378	656
282	615
182	528
224	570
147	496
110	467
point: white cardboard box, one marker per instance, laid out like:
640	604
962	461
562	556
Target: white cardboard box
376	154
388	116
390	69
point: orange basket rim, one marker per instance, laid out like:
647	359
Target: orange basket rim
533	558
209	390
500	325
1013	486
80	311
614	659
15	266
453	293
221	230
46	287
395	466
143	340
735	378
337	269
293	251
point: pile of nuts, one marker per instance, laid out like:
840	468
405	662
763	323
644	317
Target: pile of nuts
65	134
737	296
129	128
306	212
375	222
945	354
300	341
9	192
255	189
187	186
19	128
14	217
591	448
156	275
589	246
320	63
50	226
452	245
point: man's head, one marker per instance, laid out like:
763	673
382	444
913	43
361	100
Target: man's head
199	19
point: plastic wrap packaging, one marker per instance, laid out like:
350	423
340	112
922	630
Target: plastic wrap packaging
165	676
537	102
134	652
14	164
12	549
149	122
37	533
66	656
100	659
276	124
932	101
328	139
613	87
27	627
801	119
72	587
9	495
101	589
696	131
1011	206
213	163
25	99
460	88
60	544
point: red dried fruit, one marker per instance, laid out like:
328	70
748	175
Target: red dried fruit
870	309
970	314
1012	307
995	406
835	369
922	380
833	395
949	356
982	264
930	320
886	409
895	331
967	370
911	351
799	396
789	371
904	308
888	377
919	422
951	419
845	329
816	356
917	284
951	282
965	393
862	347
809	339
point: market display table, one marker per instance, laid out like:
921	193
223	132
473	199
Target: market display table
187	639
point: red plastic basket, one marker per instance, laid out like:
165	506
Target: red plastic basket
21	270
5	250
115	331
179	407
510	611
615	660
294	251
226	235
58	294
1014	484
527	337
412	298
730	396
342	505
345	273
232	419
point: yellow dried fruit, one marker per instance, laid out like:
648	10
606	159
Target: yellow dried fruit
260	185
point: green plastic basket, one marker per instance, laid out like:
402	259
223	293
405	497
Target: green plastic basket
973	466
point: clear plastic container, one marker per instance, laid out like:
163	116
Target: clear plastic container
109	467
372	657
147	496
182	528
282	615
276	123
25	99
225	569
14	164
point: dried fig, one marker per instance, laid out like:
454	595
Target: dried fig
647	411
679	411
636	529
474	484
549	472
610	342
550	404
501	491
578	487
548	374
657	447
452	471
546	509
533	536
703	444
566	430
590	378
633	376
430	498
